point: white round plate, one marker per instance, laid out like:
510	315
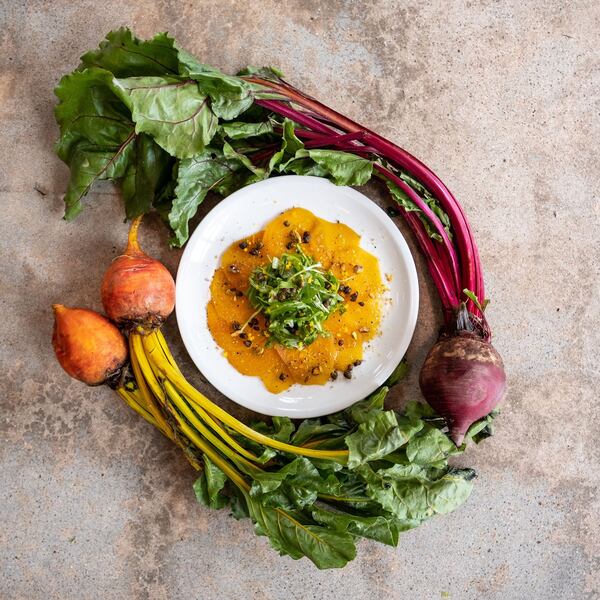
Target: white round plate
249	210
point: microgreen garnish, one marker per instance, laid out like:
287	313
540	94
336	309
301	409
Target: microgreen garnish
296	296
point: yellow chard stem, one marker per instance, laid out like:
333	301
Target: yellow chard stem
144	367
210	438
149	402
216	458
188	413
162	342
128	398
197	410
162	387
152	397
156	358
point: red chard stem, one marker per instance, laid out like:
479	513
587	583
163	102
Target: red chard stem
459	266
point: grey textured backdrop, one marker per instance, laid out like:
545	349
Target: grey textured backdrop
501	99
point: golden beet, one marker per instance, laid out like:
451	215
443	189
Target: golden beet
137	289
87	345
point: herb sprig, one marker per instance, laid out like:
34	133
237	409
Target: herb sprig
296	296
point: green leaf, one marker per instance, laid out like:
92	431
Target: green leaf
379	528
381	434
209	485
290	146
412	493
239	507
419	410
240	130
399	373
429	445
173	112
480	430
97	135
230	96
230	152
400	490
471	295
350	493
148	170
195	178
90	163
164	196
306	167
272	73
452	490
344	168
366	409
292	143
297	484
279	428
408	205
124	55
431	202
312	429
292	534
89	110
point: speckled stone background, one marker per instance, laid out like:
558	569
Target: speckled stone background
502	100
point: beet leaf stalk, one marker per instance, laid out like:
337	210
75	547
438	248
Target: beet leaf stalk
171	129
463	375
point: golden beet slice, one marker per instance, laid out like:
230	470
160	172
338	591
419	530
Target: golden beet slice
359	271
241	258
313	364
230	302
329	238
253	360
287	229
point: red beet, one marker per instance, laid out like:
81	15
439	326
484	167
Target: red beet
463	380
463	376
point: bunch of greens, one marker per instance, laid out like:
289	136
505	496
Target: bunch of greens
170	129
296	296
396	475
311	488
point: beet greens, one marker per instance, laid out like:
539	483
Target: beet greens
170	129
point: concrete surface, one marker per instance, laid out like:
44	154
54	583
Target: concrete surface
501	99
